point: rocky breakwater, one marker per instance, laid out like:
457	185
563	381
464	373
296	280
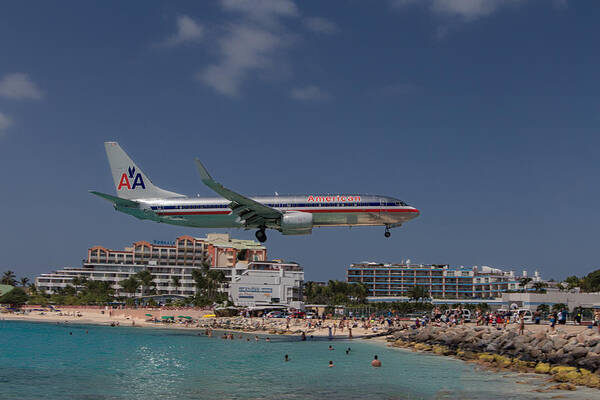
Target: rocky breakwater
569	357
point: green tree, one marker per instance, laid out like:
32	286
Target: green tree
417	293
146	280
24	281
9	278
591	282
540	286
176	281
16	297
523	282
543	308
130	285
572	282
558	307
242	255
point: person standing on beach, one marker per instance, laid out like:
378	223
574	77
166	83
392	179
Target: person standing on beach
375	363
521	324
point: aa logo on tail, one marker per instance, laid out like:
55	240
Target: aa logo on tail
137	181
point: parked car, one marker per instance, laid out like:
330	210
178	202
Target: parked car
298	314
275	314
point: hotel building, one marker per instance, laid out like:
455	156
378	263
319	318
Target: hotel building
440	281
164	260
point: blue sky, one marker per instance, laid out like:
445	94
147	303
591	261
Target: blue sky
482	114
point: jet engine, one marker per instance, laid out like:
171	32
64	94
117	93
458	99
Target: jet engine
296	223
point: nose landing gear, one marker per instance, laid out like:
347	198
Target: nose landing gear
387	233
261	236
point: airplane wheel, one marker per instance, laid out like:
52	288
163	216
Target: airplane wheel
261	236
387	234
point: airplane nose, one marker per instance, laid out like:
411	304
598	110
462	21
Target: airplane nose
416	212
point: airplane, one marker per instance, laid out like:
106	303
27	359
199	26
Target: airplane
290	214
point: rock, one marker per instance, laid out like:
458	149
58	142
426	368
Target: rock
596	348
591	363
563	386
542	368
561	369
546	346
558	342
578	352
570	376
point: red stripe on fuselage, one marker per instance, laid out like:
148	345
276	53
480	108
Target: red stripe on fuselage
331	210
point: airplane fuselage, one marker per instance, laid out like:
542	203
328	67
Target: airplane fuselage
326	210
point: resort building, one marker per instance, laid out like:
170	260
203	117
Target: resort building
440	281
269	283
168	262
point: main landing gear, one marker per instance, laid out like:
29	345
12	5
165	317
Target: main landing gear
261	236
387	233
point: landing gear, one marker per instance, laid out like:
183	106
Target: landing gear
387	233
261	236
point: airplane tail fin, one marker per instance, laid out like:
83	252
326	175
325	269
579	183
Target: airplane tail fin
130	180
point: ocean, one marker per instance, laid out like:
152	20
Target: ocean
49	361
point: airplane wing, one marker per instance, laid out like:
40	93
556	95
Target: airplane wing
252	212
117	201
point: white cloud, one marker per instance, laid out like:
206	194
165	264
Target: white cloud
309	93
5	123
188	30
264	11
321	25
465	9
18	86
250	44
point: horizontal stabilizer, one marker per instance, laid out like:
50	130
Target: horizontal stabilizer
117	201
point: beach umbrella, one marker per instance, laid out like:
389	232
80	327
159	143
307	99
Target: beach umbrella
180	316
167	317
187	317
148	315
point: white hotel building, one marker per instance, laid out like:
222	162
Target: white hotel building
178	259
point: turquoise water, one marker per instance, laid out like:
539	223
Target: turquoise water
45	361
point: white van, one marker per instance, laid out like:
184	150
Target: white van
527	315
466	314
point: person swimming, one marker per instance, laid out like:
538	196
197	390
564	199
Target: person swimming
331	347
286	358
330	364
375	362
348	350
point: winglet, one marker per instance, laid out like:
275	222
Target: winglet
204	175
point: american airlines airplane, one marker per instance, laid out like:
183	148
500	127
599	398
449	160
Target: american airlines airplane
291	215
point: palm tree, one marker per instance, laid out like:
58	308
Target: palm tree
417	292
146	280
176	279
539	286
215	279
9	278
559	307
543	308
523	282
130	285
24	281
